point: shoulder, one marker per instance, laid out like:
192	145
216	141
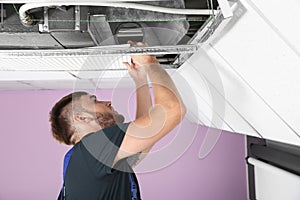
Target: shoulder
111	132
104	144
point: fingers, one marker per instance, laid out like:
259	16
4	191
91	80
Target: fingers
129	67
141	60
132	62
130	42
136	44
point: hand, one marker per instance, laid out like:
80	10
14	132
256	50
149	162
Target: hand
138	73
142	60
139	63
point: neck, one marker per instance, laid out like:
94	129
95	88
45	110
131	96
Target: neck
83	132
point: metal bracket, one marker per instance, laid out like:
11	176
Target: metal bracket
103	50
45	26
3	14
77	18
225	8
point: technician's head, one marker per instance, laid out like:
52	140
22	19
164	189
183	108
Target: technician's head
80	113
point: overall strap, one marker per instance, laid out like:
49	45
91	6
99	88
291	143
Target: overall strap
66	163
133	187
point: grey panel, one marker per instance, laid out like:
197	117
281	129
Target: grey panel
73	39
29	40
100	31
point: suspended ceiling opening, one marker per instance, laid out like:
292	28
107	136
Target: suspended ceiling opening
83	27
66	27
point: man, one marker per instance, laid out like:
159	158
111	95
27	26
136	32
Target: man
105	148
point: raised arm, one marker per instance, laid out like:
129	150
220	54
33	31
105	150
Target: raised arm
167	112
143	97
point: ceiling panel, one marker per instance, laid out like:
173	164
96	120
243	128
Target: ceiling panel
33	75
62	84
15	85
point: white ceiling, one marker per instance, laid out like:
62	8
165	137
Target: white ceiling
82	72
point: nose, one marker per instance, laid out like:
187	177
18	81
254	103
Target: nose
106	103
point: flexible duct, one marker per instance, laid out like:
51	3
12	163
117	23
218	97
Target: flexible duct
26	19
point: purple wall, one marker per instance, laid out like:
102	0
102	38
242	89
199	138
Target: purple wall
31	160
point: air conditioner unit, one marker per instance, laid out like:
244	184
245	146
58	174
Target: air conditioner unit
85	41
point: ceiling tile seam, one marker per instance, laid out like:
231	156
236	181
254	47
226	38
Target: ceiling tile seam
30	84
213	111
253	90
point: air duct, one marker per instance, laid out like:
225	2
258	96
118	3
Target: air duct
25	17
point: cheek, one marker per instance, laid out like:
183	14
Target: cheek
101	109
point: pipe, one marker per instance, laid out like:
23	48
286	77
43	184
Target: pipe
26	20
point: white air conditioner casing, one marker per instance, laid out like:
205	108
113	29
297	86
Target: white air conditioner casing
256	57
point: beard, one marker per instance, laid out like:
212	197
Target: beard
108	119
119	118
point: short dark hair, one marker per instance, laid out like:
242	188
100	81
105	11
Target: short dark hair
61	126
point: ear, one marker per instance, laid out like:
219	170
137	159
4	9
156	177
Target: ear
82	118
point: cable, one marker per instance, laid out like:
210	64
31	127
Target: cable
16	10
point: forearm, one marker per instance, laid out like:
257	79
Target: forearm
144	103
165	92
143	98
